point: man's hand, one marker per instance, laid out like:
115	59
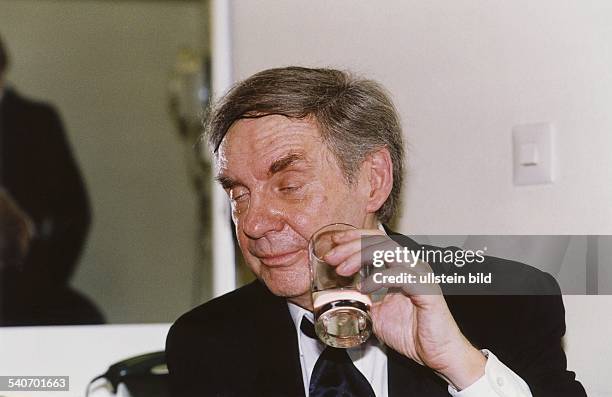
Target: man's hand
412	319
16	231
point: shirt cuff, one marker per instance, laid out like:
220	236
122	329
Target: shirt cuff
498	380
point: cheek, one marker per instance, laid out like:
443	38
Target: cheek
251	261
305	216
322	207
343	203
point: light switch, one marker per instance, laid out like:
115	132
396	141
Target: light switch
533	153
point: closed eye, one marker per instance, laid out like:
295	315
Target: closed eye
290	188
238	193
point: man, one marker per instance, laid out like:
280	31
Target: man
39	173
297	149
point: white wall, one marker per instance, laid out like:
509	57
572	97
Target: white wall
462	73
587	341
106	65
42	351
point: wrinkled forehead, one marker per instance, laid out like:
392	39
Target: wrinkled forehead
255	143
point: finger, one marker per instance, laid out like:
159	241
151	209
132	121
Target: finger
351	265
342	251
364	257
358	250
352	234
372	251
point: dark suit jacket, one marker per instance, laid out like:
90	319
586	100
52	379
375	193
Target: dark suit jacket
244	343
38	170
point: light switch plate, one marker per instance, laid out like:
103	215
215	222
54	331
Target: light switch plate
533	153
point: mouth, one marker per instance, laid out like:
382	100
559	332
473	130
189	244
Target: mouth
281	260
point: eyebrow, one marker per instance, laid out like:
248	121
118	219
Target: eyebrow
285	162
276	167
226	182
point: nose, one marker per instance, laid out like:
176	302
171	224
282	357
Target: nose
262	216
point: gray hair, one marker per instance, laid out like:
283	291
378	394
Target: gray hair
355	116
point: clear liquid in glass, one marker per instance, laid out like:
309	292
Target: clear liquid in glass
341	317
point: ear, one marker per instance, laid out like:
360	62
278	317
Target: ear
380	177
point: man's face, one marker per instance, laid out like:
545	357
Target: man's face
284	184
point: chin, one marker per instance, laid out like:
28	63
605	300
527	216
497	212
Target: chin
287	283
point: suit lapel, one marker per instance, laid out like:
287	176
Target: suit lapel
398	375
280	371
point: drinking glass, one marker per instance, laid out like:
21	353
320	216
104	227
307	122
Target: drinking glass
341	312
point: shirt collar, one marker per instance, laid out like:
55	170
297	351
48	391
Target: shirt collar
297	313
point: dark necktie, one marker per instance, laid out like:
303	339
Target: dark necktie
334	374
